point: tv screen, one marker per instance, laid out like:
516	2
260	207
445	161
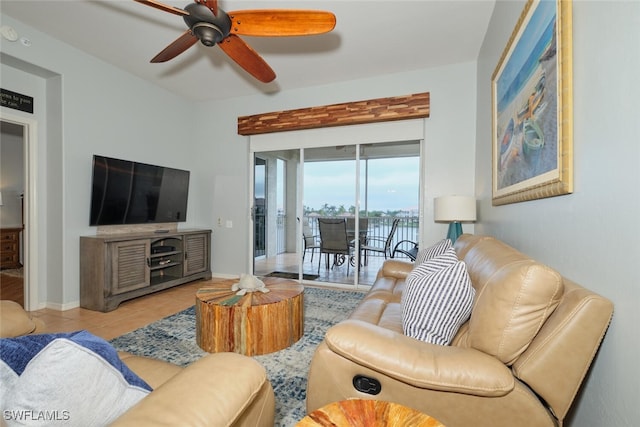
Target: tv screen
126	192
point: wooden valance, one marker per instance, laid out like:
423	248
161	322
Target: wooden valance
348	113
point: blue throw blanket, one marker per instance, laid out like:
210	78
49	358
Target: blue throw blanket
73	377
18	352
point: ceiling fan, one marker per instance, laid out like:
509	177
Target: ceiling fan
212	25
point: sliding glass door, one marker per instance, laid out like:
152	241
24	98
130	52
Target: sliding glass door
334	214
359	183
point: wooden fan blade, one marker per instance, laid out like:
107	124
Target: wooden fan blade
281	23
247	58
211	4
165	7
182	43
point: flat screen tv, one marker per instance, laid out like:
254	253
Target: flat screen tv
126	192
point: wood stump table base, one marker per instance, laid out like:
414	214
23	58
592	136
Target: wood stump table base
252	324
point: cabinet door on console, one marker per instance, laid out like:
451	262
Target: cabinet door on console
196	253
129	265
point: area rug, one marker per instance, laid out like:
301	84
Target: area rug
172	339
293	276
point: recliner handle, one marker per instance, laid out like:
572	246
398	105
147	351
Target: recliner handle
367	385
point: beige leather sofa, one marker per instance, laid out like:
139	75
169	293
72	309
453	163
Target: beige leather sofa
219	390
518	361
222	389
15	322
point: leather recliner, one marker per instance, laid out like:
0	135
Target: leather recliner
519	361
219	390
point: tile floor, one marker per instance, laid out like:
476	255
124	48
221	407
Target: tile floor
130	315
289	262
139	312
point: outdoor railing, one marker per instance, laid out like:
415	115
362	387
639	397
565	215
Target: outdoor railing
378	229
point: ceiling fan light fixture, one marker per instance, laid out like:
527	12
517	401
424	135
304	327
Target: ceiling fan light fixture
207	33
212	25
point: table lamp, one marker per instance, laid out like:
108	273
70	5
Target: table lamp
454	210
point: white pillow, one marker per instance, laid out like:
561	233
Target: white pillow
445	258
436	301
433	251
65	383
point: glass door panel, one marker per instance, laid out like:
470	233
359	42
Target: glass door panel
259	207
329	202
390	201
274	213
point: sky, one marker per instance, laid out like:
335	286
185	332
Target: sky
393	184
532	32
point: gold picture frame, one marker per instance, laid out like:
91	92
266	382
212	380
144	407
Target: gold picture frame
532	111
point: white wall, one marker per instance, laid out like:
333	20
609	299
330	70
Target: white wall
92	108
590	236
450	134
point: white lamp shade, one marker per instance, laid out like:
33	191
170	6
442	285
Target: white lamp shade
454	208
0	198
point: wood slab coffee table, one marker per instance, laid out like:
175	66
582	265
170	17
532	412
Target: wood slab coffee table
367	413
252	324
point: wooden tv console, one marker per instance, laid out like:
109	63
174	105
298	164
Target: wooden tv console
119	267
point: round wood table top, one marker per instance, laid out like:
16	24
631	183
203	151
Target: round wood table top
220	293
367	413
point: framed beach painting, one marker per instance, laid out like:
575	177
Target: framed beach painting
531	94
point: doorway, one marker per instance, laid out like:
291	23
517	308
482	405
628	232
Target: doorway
379	184
272	209
12	187
17	213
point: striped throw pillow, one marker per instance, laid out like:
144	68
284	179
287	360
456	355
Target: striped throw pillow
433	251
437	301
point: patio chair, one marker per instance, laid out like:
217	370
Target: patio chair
406	247
310	240
383	246
363	227
334	241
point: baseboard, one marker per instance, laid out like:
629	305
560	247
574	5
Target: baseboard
224	276
59	307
